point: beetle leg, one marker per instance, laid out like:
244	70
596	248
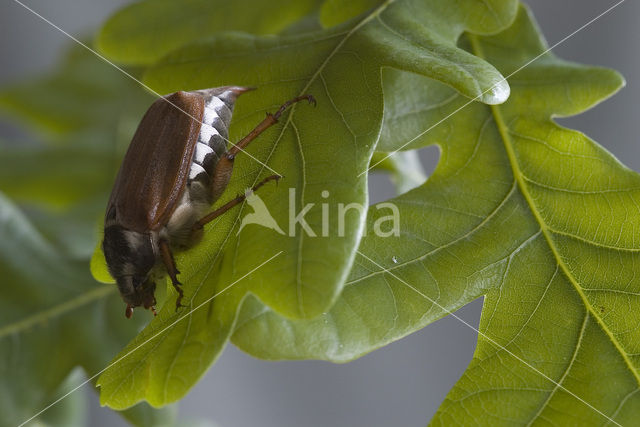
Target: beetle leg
224	168
224	208
170	264
269	121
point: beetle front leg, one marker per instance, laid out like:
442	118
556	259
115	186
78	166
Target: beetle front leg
172	270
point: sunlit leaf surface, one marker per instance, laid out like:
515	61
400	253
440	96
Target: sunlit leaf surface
539	219
322	153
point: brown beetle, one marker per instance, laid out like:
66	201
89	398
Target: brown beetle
176	167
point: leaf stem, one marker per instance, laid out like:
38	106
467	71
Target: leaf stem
56	310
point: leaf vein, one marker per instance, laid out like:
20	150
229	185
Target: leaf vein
564	374
453	242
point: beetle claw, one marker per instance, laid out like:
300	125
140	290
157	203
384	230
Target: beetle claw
180	295
179	304
312	100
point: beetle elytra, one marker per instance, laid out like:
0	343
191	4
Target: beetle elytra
176	167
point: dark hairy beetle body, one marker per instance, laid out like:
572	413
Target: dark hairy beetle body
176	167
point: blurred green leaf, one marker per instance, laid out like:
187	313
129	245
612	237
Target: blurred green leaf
539	219
71	411
53	317
334	12
321	149
56	176
86	112
86	102
145	31
406	170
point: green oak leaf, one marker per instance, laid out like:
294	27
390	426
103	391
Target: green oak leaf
538	218
63	187
55	176
53	317
85	112
145	31
86	102
334	12
316	149
406	171
55	320
71	411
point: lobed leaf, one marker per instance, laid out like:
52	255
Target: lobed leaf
539	219
406	171
145	31
86	101
322	149
53	317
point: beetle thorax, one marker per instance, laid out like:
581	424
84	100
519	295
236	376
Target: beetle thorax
129	253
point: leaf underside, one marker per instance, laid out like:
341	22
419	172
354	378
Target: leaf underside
315	149
538	219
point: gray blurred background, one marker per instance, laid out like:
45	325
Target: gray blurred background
404	383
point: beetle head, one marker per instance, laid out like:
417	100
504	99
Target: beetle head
130	258
139	292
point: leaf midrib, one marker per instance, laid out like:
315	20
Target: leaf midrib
57	310
546	231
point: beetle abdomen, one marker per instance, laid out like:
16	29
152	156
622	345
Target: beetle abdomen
212	140
210	147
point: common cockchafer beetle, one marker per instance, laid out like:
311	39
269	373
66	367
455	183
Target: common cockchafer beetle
176	167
